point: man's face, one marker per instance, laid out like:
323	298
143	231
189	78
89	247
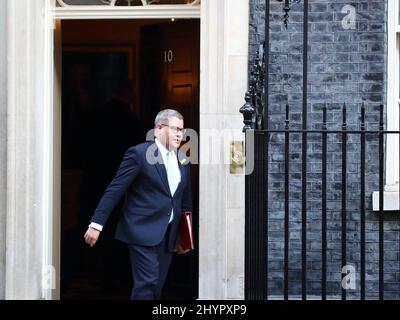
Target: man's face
171	134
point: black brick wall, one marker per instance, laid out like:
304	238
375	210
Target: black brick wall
345	66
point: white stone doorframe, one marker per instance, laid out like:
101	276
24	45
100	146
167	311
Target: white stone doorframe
33	149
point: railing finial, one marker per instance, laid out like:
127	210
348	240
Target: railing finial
248	113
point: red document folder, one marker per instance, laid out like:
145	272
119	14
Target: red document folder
184	241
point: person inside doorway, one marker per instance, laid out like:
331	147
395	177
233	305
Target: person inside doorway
155	179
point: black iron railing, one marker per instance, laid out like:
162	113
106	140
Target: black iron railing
257	209
259	133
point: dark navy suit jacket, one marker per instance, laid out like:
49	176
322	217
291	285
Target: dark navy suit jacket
142	178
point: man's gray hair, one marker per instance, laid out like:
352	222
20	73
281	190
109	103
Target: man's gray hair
164	115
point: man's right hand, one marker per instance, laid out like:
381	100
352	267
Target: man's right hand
91	236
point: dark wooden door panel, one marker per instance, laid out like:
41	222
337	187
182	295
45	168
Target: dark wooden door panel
170	79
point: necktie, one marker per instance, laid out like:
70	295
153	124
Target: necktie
172	176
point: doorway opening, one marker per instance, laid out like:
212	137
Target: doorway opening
116	76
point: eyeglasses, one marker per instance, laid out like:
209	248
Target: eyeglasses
175	129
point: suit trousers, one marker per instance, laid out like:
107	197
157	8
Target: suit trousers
150	265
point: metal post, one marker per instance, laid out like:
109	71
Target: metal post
304	154
362	205
324	223
381	204
344	194
286	267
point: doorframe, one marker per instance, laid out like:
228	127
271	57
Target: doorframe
223	80
134	12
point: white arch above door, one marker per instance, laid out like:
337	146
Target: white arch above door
110	11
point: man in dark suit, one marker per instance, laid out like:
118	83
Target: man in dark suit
155	178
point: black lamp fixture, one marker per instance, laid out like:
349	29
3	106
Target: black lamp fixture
286	9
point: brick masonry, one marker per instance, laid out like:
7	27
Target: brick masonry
345	66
